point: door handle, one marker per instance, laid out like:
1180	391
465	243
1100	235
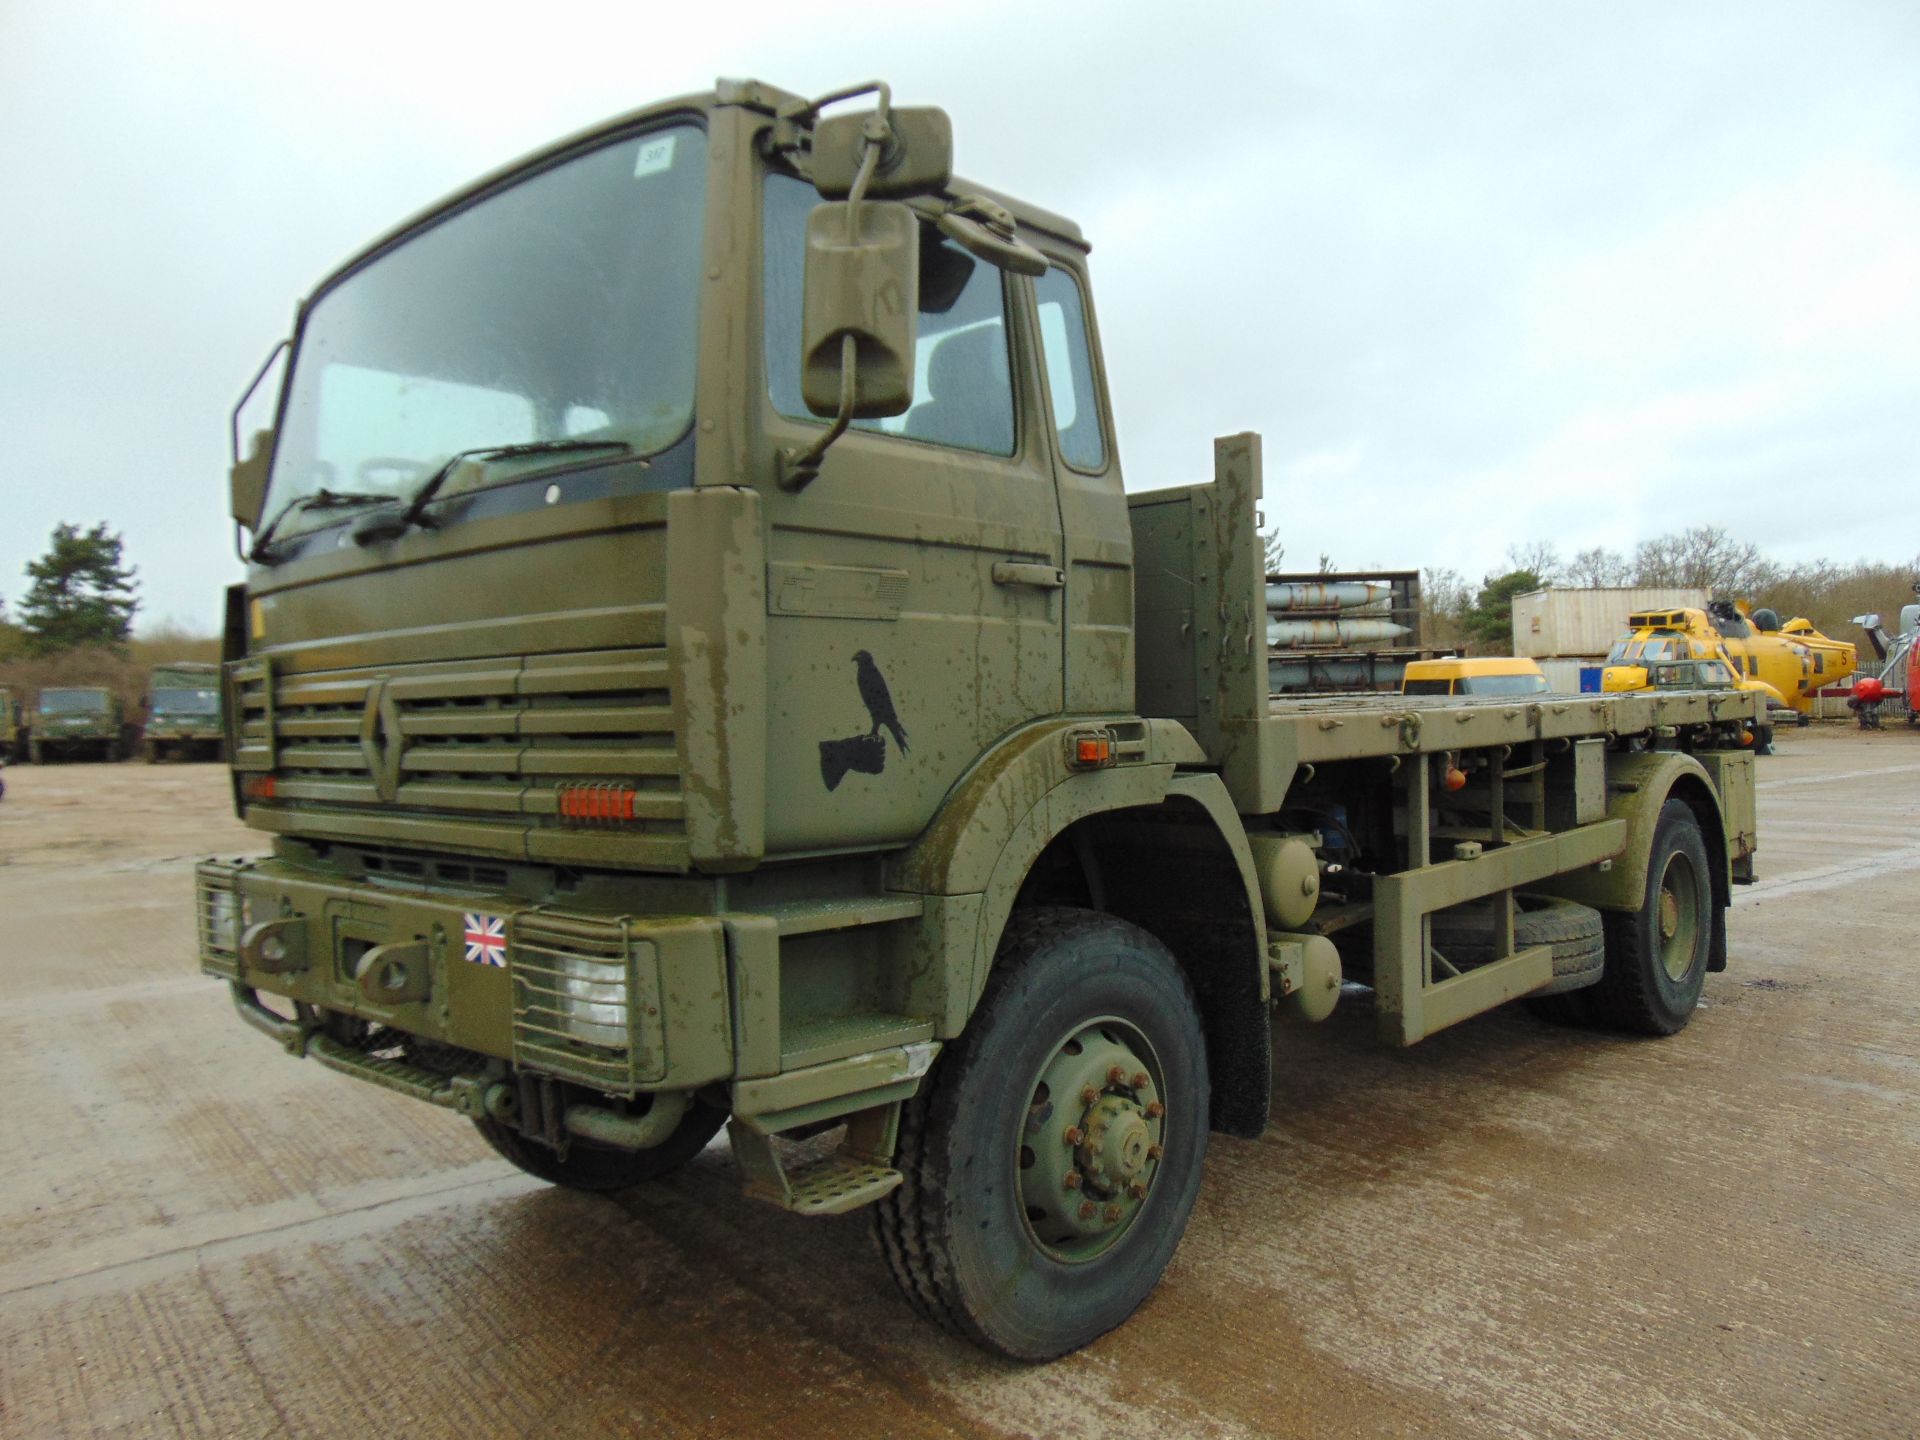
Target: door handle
1019	572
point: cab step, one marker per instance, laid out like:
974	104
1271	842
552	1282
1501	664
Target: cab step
856	1174
837	1184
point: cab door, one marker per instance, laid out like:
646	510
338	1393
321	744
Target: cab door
915	589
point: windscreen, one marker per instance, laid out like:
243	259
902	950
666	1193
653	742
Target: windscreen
186	702
72	702
562	307
1503	684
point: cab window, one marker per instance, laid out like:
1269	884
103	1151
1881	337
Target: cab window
962	384
1427	687
1069	356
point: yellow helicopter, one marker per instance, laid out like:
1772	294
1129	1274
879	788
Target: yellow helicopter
1786	662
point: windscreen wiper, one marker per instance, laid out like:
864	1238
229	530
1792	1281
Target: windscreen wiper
389	526
321	499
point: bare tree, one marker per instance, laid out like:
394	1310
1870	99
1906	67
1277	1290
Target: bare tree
1444	601
1599	568
1705	557
1539	558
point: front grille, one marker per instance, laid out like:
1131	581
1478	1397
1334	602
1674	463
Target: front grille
586	1001
498	742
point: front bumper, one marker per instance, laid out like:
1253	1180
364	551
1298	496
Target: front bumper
614	1003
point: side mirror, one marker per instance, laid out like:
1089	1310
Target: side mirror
247	481
916	152
983	228
863	287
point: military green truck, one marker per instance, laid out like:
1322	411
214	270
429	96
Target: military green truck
183	712
699	665
75	722
13	725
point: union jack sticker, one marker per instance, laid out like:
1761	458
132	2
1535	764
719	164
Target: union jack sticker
487	940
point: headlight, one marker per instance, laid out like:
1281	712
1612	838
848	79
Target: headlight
222	919
591	1000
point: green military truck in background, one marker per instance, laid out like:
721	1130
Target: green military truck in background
75	722
183	712
699	665
13	725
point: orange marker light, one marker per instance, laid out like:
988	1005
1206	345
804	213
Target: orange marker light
261	787
1093	750
597	802
1455	778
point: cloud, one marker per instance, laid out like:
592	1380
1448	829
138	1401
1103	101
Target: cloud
1480	274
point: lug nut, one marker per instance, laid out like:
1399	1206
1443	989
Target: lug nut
1088	1095
1156	1110
1075	1135
1138	1189
1113	1213
1116	1075
1072	1182
1140	1080
1154	1152
1088	1210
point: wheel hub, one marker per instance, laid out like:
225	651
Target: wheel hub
1093	1140
1669	914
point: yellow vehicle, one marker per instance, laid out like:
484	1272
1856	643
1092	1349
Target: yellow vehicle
1486	675
1785	662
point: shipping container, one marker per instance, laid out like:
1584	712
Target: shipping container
1587	622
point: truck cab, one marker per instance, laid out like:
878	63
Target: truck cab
183	712
75	722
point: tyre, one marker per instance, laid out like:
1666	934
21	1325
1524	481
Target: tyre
36	753
110	752
1763	739
152	752
1657	955
591	1167
1464	935
1052	1156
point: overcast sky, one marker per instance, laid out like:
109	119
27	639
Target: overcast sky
1481	273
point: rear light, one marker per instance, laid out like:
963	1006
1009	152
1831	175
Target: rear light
261	787
597	802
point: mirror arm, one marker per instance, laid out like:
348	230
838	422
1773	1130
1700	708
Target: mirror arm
799	469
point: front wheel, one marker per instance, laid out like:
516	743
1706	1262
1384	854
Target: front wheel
1052	1157
1657	955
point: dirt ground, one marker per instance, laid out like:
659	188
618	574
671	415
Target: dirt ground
1508	1230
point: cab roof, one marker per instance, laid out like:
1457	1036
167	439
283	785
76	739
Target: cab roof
750	94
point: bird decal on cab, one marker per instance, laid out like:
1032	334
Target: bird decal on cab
865	754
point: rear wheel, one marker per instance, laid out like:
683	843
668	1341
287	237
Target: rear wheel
1052	1157
587	1166
1657	955
36	753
